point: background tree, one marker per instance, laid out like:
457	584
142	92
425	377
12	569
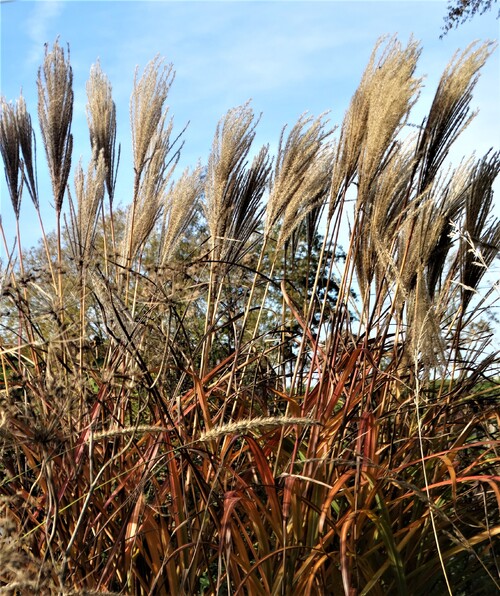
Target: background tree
460	11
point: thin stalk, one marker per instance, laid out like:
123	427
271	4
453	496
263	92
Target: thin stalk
208	321
128	262
46	247
59	266
424	471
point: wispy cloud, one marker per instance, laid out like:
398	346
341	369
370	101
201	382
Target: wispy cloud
38	27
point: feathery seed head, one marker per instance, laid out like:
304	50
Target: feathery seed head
377	112
101	117
352	134
10	147
264	422
301	171
179	206
480	238
28	149
55	112
89	191
151	147
147	112
392	93
384	203
150	194
247	209
233	136
233	192
312	193
450	111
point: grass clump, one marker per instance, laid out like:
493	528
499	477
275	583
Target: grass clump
203	395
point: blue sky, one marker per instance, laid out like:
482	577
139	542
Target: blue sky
288	57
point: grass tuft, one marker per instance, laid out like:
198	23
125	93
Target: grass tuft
202	394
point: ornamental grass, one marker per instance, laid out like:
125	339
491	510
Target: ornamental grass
262	375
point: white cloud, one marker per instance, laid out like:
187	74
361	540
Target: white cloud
38	25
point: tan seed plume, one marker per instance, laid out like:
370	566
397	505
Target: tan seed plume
300	174
226	165
180	204
28	149
147	110
450	111
153	165
242	426
9	147
101	117
89	190
55	112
